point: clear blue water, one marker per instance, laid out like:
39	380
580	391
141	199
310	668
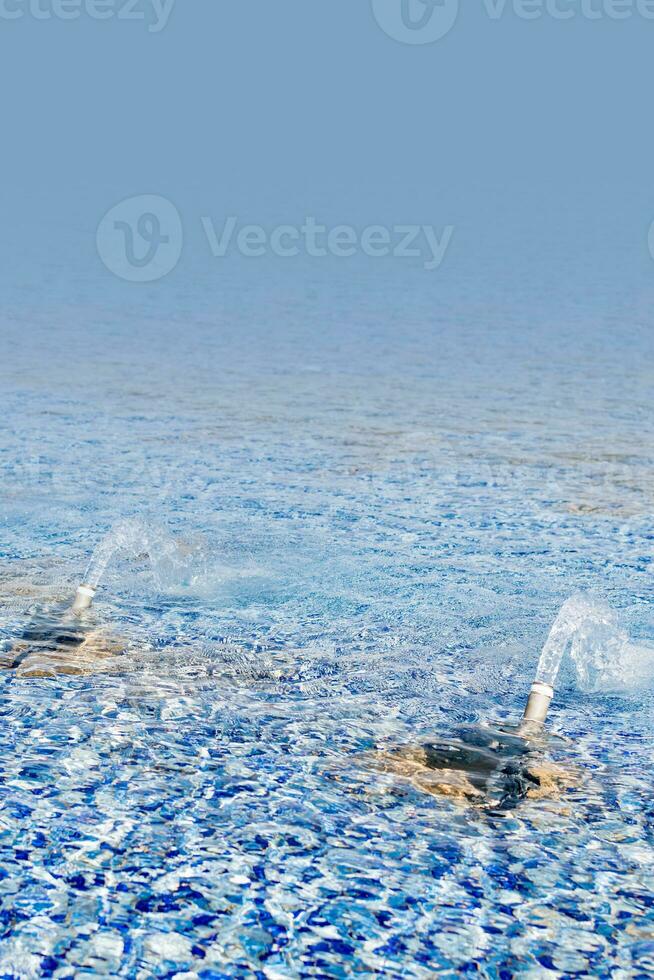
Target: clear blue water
379	497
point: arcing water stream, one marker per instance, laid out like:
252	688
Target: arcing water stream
602	654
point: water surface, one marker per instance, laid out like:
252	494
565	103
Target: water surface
366	504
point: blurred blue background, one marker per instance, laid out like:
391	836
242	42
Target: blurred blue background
531	137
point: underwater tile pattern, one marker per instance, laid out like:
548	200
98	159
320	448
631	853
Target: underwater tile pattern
359	531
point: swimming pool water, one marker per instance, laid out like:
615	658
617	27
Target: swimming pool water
365	509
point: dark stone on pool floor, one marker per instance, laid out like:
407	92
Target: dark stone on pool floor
492	767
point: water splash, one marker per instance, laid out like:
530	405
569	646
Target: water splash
128	536
171	564
602	654
572	614
182	567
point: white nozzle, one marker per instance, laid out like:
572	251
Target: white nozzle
538	704
83	598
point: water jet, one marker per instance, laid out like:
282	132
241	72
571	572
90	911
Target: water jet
498	766
59	640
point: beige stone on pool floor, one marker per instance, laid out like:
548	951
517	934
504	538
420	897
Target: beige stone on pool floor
410	763
95	654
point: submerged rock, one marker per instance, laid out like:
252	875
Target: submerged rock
60	644
490	767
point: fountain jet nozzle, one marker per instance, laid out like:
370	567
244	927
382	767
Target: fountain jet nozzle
538	703
83	599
